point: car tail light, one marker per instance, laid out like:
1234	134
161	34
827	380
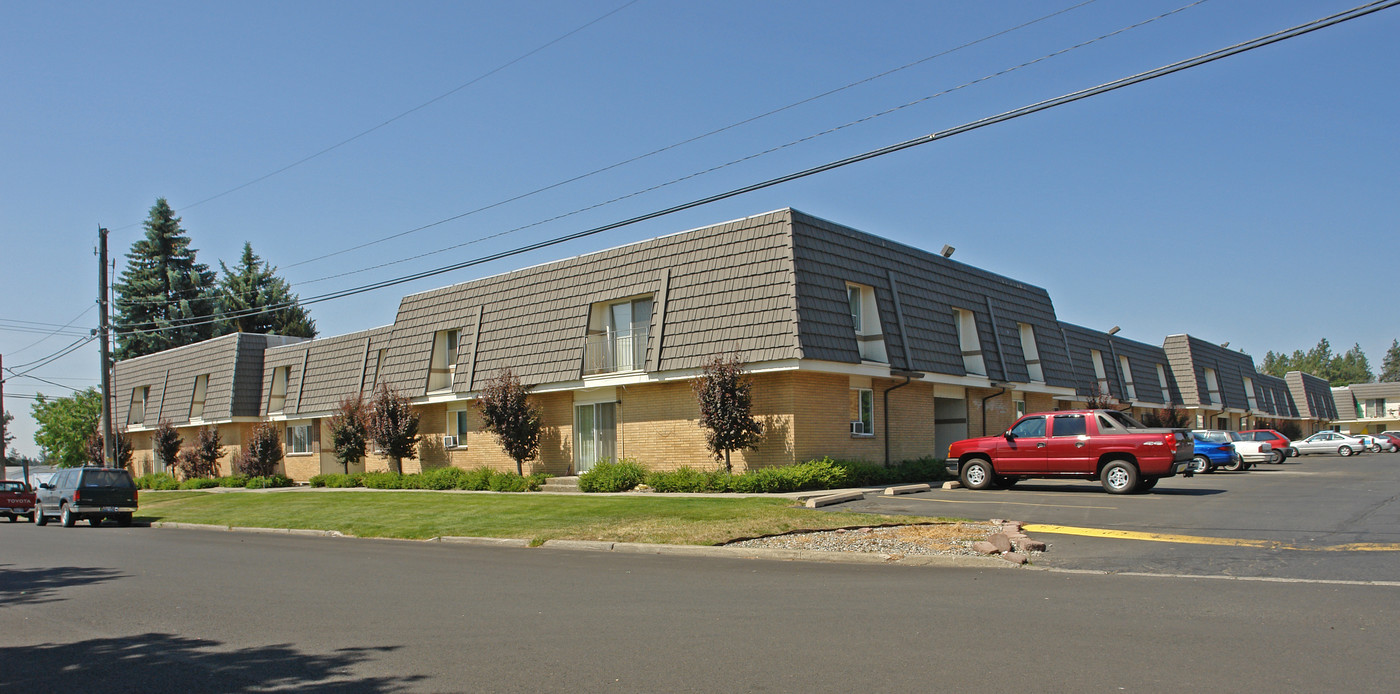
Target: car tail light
76	495
1171	442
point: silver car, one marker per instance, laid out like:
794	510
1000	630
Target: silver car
1330	442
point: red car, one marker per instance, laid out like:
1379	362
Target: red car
16	500
1278	441
1103	445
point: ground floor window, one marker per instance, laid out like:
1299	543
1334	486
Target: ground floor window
298	438
595	434
1020	407
457	429
862	412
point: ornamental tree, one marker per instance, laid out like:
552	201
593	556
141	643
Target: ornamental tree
508	413
350	431
122	454
264	449
167	442
726	407
208	450
393	426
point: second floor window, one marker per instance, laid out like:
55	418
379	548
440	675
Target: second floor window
277	397
443	361
201	388
137	415
617	336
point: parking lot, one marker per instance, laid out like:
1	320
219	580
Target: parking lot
1311	518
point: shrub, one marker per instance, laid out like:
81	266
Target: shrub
382	480
478	480
161	481
233	481
337	481
535	481
198	483
442	478
609	476
688	479
507	482
268	481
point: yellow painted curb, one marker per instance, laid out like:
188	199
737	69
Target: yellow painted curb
1201	540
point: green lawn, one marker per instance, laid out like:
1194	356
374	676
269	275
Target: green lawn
421	515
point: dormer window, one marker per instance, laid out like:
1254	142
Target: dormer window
1162	381
966	324
1127	371
1032	354
137	415
444	360
1249	394
1212	389
865	318
1100	375
201	388
277	397
617	336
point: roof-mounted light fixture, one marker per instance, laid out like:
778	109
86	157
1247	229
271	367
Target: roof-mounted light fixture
948	251
1114	330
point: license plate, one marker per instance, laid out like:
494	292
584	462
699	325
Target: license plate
109	509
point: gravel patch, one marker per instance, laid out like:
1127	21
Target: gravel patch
946	539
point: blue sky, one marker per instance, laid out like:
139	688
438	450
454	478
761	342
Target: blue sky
1251	200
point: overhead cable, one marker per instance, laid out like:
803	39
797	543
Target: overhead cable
1071	97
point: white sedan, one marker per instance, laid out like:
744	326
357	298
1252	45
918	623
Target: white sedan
1250	452
1330	442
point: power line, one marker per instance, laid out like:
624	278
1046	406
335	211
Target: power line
1071	97
34	365
765	152
42	380
723	165
419	107
692	139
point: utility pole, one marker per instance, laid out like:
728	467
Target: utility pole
103	330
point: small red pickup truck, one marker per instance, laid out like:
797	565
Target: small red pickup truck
16	500
1106	445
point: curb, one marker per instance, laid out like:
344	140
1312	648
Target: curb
806	555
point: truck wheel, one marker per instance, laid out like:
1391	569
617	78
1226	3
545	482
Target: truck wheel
978	474
1119	477
124	520
13	517
1147	483
39	517
1276	457
65	517
1344	451
1200	465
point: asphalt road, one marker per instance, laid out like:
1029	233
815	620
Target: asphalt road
164	610
1313	507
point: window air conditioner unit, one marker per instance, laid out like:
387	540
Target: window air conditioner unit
449	441
858	427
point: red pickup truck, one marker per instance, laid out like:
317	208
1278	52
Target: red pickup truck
16	500
1106	445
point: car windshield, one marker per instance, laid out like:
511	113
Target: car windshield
107	478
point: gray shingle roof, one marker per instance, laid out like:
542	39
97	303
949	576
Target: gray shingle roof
233	364
1274	395
1312	395
1191	356
323	372
827	255
726	288
1142	359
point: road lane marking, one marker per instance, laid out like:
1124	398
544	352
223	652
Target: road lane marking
1202	540
1007	503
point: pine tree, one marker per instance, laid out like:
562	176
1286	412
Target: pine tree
248	294
162	288
1390	365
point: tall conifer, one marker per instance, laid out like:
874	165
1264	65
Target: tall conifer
250	295
163	290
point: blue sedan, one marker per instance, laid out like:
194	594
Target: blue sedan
1213	450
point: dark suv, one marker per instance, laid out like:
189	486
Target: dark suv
92	493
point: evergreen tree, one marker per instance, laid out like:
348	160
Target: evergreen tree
248	294
1351	367
162	288
1390	366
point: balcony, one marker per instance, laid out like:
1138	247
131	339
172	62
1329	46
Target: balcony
611	352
